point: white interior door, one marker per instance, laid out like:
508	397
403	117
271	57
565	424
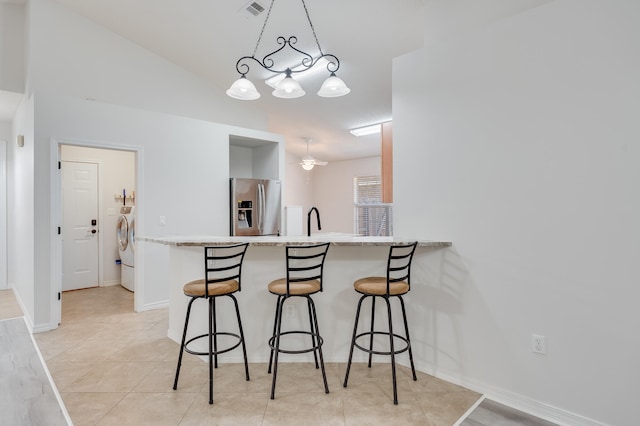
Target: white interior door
79	225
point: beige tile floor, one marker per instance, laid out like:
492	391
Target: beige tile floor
9	305
115	367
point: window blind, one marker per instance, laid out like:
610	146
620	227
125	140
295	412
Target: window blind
372	217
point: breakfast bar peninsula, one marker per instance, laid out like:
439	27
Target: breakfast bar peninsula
349	258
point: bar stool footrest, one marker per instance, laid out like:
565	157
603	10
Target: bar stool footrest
219	351
319	342
383	333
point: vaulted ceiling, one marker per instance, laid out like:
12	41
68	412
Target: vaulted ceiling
207	37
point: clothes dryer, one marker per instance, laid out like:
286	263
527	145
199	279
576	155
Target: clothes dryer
126	245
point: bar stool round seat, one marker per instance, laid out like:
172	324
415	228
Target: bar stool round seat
394	285
305	266
223	270
377	286
300	288
196	288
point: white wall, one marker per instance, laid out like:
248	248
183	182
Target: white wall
73	56
300	187
12	47
240	161
116	171
528	156
257	162
334	191
185	160
20	206
182	174
5	134
329	188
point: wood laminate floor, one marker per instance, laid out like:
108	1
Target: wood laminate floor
491	413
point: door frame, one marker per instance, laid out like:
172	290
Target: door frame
55	221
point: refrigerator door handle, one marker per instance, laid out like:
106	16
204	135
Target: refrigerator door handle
261	202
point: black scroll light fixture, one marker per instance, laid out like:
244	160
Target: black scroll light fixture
288	88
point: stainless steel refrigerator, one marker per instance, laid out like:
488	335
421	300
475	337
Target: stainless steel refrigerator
255	206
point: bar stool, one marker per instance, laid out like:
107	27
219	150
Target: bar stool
222	271
395	284
305	265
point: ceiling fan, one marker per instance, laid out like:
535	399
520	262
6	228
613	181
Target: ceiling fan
308	161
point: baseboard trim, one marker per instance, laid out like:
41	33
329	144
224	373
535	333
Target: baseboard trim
27	318
156	305
519	402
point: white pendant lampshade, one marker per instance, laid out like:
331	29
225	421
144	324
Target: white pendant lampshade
288	88
307	165
243	89
333	87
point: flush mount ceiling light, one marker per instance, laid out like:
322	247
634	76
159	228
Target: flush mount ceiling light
367	130
288	88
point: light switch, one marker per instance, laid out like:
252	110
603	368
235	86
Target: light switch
163	220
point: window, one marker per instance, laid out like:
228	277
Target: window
372	217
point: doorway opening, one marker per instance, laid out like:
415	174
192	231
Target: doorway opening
97	186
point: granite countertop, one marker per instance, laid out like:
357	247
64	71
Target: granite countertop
336	239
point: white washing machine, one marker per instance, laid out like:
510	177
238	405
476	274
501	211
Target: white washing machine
126	231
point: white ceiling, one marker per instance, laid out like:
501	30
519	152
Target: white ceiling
207	37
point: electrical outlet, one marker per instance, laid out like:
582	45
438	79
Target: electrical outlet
538	344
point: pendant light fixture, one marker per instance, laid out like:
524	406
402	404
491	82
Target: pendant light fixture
288	88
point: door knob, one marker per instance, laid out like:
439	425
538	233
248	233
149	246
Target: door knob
93	231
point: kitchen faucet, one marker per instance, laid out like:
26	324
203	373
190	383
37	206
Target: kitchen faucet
309	220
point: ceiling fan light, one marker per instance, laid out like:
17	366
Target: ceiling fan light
307	165
243	89
333	87
288	88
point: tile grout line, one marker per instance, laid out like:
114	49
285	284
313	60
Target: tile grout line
112	408
170	358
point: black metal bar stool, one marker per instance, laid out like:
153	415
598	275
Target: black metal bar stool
305	265
222	271
395	284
